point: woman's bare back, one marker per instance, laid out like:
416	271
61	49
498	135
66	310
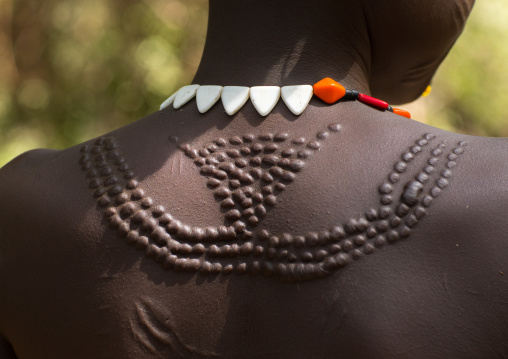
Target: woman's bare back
341	232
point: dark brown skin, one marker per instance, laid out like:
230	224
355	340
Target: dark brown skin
70	287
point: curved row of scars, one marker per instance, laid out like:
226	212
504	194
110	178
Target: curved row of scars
242	249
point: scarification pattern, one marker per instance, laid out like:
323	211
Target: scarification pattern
246	174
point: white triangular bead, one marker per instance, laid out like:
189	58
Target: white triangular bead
297	98
168	102
234	97
207	96
184	95
264	98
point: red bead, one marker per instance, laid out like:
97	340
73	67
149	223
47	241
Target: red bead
373	101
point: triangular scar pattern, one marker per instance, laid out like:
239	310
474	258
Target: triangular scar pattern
246	174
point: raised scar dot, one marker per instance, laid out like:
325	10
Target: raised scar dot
433	161
400	167
227	203
314	145
92	174
104	201
386	199
394	178
253	220
371	214
266	137
446	173
407	157
411	193
385	188
297	165
405	232
411	221
147	202
276	171
362	224
395	221
402	209
270	160
382	226
380	241
368	248
429	170
236	140
149	224
347	245
442	182
335	248
357	254
422	177
307	257
416	149
234	184
359	240
204	152
270	200
350	226
281	137
335	127
129	175
142	242
233	215
298	141
270	148
393	236
385	212
322	135
299	241
285	163
280	187
371	232
200	161
94	184
115	190
106	171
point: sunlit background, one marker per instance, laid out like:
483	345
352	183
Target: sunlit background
72	70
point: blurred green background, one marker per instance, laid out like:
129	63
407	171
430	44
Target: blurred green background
72	70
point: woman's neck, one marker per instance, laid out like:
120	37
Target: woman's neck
283	42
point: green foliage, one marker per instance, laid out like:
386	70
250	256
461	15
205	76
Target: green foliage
470	91
72	70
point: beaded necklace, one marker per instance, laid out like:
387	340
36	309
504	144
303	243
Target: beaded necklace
264	98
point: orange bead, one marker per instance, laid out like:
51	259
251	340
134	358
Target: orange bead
400	112
427	91
328	90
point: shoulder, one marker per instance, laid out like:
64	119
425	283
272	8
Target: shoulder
482	176
471	198
19	180
43	194
26	179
